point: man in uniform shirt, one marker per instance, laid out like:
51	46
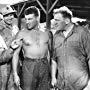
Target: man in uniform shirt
7	33
71	55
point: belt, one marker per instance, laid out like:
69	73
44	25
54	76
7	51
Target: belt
34	59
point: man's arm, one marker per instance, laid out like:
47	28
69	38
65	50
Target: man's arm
5	52
15	60
53	68
16	45
5	55
53	72
86	46
53	62
50	45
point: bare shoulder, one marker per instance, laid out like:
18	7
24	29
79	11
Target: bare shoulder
44	33
20	34
49	33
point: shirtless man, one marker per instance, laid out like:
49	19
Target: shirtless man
35	45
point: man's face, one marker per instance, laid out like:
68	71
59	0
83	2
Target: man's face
9	19
31	21
59	21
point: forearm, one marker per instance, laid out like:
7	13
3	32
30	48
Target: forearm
15	61
5	56
89	65
14	64
51	44
54	69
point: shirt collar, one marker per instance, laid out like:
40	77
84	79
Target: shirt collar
74	29
8	26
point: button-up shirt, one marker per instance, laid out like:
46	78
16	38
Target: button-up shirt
7	34
72	54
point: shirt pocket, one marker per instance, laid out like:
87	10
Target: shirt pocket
74	43
58	43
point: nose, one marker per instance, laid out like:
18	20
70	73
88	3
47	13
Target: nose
12	16
55	23
27	21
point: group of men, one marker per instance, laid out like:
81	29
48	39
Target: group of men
61	60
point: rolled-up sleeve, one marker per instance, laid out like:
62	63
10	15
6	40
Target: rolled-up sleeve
54	49
85	37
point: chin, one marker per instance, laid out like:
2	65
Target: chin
29	28
10	22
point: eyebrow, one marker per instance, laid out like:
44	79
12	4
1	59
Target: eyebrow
57	19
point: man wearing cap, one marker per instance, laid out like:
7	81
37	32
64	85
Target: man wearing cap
71	57
7	32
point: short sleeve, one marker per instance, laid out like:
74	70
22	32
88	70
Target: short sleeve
54	49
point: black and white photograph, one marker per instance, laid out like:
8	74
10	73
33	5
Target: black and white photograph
44	44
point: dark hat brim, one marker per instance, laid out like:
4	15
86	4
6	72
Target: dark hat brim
9	13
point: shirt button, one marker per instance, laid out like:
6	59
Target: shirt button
64	54
65	43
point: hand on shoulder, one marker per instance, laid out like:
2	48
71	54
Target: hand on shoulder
16	43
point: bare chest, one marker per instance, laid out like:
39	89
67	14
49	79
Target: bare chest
35	39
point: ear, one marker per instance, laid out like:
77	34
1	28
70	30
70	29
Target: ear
38	19
67	20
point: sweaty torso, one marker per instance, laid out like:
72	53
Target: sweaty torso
35	44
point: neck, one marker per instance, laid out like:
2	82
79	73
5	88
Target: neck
8	24
36	27
69	26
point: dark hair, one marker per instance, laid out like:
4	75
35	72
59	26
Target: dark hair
32	10
65	14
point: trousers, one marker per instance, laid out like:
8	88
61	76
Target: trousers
36	74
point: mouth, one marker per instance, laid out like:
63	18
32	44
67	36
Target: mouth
28	25
56	26
10	20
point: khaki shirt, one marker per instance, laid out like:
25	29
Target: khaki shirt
72	55
6	32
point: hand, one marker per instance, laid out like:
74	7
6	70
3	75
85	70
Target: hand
54	81
16	43
2	49
16	80
10	51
